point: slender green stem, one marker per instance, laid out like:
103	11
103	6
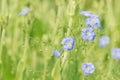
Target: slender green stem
69	26
1	45
61	68
21	65
2	5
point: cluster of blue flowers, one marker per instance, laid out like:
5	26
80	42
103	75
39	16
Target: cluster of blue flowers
92	19
87	34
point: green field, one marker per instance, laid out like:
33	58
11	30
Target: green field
27	42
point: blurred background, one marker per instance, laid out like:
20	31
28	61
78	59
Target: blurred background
27	42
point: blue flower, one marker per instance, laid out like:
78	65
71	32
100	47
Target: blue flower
88	68
68	43
93	20
86	13
116	53
24	12
104	41
88	34
56	53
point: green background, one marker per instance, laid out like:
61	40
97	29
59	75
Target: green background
27	42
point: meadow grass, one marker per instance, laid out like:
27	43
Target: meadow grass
27	42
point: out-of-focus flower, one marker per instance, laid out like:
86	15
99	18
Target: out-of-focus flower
86	13
68	43
116	53
56	53
88	68
93	20
104	41
24	12
88	34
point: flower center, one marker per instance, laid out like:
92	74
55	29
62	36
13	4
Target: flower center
88	33
88	68
104	42
92	19
68	43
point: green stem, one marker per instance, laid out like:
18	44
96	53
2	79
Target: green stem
21	65
2	43
45	69
61	68
112	27
1	47
111	22
71	13
69	26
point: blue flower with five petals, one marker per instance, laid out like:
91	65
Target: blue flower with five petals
116	53
93	20
68	43
88	68
88	34
104	41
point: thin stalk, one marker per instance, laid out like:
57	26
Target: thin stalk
34	59
59	11
57	21
110	16
1	47
69	26
71	13
2	5
61	68
2	43
45	69
21	65
112	27
3	31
